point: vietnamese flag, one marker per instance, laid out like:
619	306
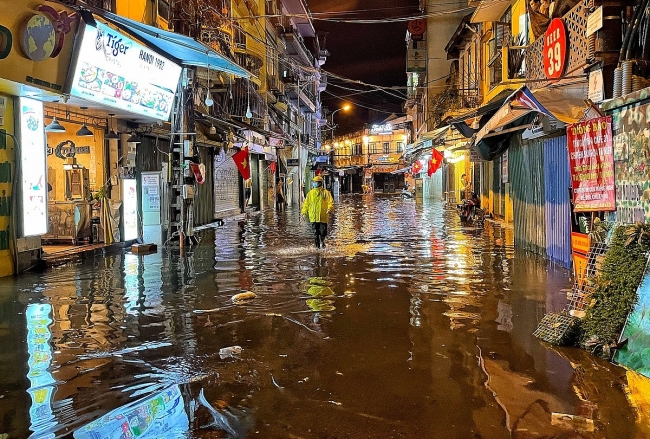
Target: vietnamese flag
272	167
417	167
241	160
435	162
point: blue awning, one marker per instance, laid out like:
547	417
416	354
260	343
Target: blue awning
186	50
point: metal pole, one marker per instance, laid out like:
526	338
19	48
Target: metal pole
300	176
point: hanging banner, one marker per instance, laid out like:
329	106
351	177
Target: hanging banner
631	137
591	160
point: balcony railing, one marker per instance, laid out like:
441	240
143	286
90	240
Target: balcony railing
501	37
249	61
575	22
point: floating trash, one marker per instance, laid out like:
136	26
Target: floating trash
243	297
572	422
230	352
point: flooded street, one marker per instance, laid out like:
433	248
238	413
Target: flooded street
406	326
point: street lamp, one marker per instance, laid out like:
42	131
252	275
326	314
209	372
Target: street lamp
345	107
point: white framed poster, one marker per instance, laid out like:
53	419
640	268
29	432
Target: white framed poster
33	156
130	199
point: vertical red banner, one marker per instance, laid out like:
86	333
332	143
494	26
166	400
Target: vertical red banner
591	158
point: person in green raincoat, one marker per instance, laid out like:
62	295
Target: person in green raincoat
317	207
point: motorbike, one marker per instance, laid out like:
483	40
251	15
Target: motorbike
407	193
470	211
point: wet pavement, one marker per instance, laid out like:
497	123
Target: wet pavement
406	326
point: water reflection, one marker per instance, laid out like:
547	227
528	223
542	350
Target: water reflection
40	359
407	323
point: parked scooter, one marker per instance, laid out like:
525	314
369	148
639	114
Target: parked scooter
470	211
407	192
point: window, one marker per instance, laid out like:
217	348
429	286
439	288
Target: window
163	9
373	148
386	147
271	61
357	149
240	38
400	146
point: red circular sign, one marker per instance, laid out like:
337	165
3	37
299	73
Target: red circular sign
555	43
417	27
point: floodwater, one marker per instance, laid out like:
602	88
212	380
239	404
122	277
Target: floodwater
406	326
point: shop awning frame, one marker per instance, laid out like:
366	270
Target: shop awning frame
518	105
182	48
428	140
490	10
480	114
516	114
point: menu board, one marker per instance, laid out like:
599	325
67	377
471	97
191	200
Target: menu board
116	71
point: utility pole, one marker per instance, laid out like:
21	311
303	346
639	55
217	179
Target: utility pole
300	177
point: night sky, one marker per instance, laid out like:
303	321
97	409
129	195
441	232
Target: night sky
372	53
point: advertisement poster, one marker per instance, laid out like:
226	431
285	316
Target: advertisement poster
130	198
158	416
34	181
631	152
114	70
635	354
591	160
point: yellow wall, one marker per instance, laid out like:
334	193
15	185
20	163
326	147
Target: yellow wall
94	161
49	74
138	10
254	28
518	8
7	155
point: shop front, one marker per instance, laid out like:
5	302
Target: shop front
36	42
118	90
75	169
382	170
69	110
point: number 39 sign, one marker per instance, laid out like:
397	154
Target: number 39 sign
555	43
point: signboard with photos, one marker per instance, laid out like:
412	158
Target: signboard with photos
115	70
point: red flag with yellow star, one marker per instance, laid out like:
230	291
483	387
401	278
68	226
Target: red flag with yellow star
435	162
241	160
416	168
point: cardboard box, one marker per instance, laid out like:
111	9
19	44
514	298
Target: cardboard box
144	248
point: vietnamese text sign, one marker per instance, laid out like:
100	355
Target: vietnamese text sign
116	71
595	21
591	159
